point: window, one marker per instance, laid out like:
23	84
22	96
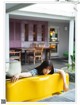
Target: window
34	32
43	32
26	32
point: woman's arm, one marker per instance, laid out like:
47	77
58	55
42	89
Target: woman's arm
65	86
21	75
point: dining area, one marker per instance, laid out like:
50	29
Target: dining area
35	52
31	41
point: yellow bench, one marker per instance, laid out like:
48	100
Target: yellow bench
34	88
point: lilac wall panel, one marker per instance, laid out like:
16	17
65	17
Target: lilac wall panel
15	33
39	36
18	31
46	32
11	26
11	43
17	37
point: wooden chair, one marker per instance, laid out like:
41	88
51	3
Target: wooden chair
35	54
41	45
15	55
33	45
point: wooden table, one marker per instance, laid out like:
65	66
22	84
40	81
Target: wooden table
47	51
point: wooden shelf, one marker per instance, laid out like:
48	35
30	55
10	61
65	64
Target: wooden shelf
54	42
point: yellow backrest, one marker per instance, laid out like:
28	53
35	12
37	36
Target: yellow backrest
32	88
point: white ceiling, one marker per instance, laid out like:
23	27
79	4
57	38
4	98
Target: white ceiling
50	8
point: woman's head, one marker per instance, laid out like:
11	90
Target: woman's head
46	71
45	68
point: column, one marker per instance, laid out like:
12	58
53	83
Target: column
71	39
7	42
2	53
77	36
7	38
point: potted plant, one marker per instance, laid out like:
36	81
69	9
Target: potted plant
70	68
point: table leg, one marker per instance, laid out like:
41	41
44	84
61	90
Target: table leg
49	54
25	56
45	54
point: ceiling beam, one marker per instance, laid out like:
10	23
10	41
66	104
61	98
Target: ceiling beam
18	6
44	16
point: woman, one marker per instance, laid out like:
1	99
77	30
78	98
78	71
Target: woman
45	68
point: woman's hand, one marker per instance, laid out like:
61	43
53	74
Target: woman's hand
14	78
21	75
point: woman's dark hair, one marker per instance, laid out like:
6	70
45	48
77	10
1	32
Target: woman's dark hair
45	64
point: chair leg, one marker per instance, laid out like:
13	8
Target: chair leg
41	59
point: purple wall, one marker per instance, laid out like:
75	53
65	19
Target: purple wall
16	31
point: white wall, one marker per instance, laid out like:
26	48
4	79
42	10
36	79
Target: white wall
63	36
